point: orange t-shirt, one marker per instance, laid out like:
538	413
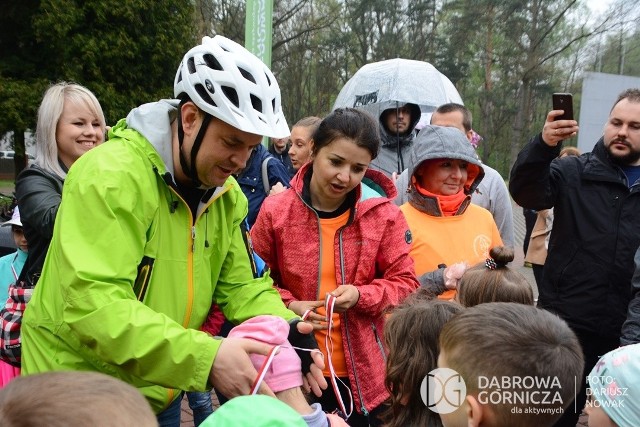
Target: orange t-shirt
328	229
450	239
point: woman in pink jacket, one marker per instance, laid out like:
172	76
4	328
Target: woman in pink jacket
337	232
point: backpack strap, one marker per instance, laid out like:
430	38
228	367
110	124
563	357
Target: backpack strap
265	175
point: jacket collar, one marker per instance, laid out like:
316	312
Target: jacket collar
376	180
599	165
430	205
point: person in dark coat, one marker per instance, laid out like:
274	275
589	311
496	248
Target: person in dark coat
279	148
596	200
252	183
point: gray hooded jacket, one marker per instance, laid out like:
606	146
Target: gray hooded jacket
436	142
387	160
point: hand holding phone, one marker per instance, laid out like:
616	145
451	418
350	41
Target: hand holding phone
563	101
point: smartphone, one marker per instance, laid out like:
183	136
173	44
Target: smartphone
563	101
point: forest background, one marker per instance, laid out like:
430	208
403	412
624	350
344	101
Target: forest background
505	57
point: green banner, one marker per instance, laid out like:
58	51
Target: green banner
258	29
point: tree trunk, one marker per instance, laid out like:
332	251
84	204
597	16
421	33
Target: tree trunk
524	111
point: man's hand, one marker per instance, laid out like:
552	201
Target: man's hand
346	297
555	131
232	373
312	362
318	321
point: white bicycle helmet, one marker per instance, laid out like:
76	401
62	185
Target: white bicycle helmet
227	81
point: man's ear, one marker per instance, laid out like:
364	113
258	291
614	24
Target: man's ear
190	114
476	413
469	134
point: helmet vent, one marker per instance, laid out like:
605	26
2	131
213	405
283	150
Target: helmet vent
212	62
268	79
191	65
256	103
247	75
232	95
204	94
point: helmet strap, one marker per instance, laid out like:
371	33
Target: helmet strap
191	171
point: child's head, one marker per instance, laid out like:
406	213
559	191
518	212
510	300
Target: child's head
73	398
493	281
411	334
16	230
254	411
614	389
520	365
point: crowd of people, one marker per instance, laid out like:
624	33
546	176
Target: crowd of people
352	266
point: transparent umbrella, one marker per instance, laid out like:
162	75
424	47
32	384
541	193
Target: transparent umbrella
392	83
388	84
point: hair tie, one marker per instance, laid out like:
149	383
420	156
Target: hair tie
490	264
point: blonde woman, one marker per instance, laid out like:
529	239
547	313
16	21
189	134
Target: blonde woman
70	123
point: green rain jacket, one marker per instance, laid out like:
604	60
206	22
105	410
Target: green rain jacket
130	275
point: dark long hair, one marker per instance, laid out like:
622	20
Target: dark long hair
356	125
412	333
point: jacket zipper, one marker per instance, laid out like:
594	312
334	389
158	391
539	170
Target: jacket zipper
380	346
190	244
319	244
346	329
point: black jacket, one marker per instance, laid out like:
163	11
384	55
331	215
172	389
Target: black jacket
595	234
39	193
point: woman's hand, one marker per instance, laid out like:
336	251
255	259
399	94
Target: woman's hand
453	274
346	297
317	320
277	188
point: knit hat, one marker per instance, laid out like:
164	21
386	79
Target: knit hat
285	371
15	219
615	385
255	411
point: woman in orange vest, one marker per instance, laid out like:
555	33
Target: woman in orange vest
449	233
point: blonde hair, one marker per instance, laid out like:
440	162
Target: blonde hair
73	398
49	114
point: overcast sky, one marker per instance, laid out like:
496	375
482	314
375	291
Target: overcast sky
598	6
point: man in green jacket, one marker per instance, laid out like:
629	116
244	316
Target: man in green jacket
149	235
